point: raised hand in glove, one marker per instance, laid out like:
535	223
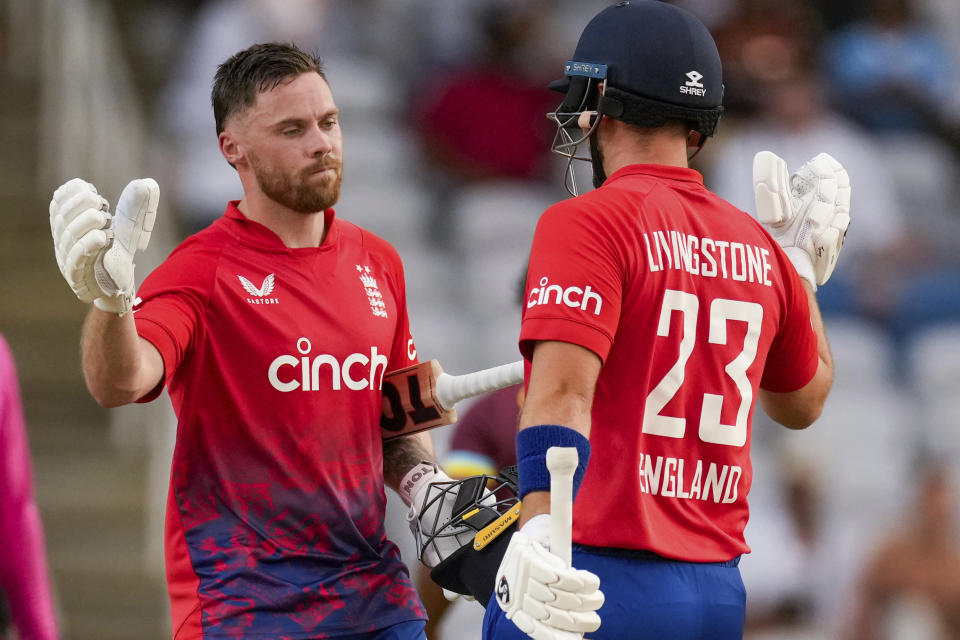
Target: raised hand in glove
544	597
95	249
807	213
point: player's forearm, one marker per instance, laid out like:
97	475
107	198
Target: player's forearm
115	367
553	405
823	346
818	388
560	407
799	409
562	383
402	454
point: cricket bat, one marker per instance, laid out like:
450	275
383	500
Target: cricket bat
422	396
561	463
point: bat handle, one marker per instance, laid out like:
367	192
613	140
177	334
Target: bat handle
453	389
562	463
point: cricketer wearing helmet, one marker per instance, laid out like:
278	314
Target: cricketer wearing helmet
657	315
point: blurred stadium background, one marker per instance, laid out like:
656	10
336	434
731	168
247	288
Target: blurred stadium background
445	155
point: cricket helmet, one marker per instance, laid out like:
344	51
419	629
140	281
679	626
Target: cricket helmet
657	63
465	550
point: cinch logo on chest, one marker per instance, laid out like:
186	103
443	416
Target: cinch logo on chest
289	373
260	293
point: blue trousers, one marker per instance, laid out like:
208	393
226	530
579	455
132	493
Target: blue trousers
412	630
651	598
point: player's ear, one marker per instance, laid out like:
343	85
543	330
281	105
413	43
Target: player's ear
587	119
230	147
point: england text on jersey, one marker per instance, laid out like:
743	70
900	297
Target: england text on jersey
670	249
692	480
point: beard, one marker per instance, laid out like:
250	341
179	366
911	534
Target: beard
596	159
300	192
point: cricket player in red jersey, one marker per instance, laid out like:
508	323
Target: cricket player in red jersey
656	316
272	330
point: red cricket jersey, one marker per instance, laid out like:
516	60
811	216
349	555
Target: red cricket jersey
274	359
692	306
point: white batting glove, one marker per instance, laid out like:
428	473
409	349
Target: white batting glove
544	597
94	249
431	494
807	213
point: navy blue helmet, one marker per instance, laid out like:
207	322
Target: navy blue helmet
657	63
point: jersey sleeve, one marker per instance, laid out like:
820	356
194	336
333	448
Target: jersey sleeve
793	357
574	282
171	306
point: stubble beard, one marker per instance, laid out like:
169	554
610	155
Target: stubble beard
596	161
295	192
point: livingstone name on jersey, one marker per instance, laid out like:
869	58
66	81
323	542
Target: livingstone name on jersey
357	371
707	257
573	297
677	478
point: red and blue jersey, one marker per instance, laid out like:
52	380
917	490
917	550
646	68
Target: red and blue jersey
692	307
273	359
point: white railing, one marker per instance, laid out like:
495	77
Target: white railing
91	121
92	125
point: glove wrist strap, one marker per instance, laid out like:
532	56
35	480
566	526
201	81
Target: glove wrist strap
119	305
803	263
418	478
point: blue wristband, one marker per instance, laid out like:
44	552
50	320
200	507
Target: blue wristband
532	445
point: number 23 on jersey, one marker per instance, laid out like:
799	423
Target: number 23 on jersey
721	312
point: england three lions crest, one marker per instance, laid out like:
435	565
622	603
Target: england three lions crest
377	306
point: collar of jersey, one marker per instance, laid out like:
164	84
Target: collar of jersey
257	235
662	171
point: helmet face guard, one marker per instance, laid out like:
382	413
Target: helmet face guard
470	543
583	93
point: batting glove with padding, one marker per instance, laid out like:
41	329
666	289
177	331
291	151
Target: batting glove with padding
544	597
807	213
95	249
432	497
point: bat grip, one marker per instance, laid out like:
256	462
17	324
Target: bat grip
562	463
453	389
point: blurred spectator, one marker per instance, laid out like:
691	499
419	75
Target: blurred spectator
910	586
483	443
780	571
486	119
712	13
890	72
943	16
790	573
24	585
793	119
761	42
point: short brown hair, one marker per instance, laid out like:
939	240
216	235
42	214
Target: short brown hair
259	68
